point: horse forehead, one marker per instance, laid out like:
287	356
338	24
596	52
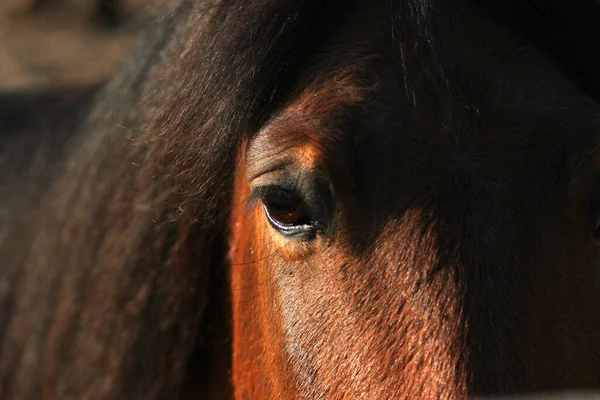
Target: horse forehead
497	124
472	97
482	125
484	172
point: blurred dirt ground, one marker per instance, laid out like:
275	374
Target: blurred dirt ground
65	42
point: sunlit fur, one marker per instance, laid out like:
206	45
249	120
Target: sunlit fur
460	140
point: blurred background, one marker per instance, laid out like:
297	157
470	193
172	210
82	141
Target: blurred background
47	42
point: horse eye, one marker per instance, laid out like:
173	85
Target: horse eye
286	212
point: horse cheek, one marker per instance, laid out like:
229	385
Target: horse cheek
259	365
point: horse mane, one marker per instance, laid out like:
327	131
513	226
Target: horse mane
120	290
110	295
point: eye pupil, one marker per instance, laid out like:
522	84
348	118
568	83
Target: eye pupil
286	216
286	212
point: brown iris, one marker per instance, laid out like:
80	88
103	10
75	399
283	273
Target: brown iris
286	212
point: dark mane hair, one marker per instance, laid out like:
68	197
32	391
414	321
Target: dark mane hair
120	290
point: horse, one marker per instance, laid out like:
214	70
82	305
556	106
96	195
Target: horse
281	199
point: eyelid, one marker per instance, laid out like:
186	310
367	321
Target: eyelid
264	169
252	200
259	191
